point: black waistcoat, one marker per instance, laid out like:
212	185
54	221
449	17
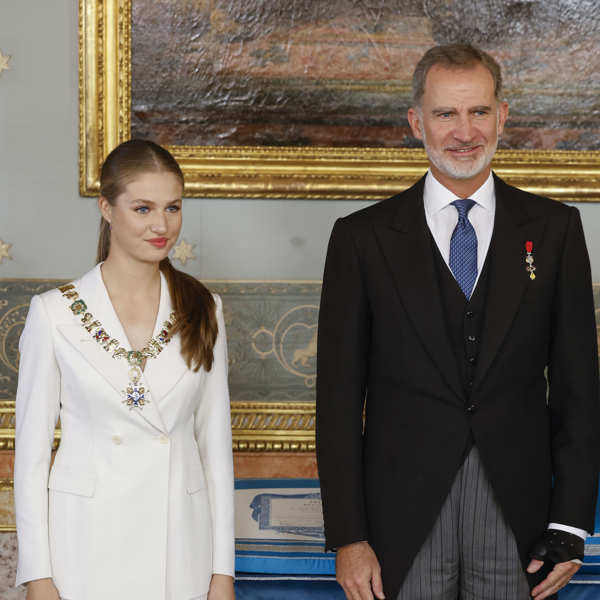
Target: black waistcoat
464	318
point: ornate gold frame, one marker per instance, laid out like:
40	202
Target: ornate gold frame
256	426
262	172
6	485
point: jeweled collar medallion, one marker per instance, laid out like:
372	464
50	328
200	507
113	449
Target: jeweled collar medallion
135	395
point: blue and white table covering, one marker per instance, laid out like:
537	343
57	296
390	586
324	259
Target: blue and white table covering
280	545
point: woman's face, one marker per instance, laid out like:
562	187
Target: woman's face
146	218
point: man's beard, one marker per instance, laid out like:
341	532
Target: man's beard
459	169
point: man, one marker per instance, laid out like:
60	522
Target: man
458	315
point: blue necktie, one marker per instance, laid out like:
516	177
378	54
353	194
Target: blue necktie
463	248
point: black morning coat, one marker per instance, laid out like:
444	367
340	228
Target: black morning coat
383	344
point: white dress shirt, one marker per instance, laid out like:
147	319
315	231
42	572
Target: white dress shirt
442	218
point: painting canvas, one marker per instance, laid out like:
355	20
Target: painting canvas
308	99
327	73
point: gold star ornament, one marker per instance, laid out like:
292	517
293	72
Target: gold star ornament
184	252
4	62
4	248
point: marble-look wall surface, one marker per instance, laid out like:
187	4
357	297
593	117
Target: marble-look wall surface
8	568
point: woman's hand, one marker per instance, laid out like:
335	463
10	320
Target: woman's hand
221	588
42	589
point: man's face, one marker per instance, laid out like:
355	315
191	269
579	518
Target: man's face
459	121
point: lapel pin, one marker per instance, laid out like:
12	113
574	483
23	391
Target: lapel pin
529	259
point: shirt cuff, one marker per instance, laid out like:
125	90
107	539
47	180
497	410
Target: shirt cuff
582	533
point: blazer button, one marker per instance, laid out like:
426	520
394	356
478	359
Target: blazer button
469	314
471	409
472	359
163	439
117	440
472	338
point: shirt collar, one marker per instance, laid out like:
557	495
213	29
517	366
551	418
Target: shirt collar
437	197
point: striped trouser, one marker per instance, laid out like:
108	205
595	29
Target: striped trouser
471	553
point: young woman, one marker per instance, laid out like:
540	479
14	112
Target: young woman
138	504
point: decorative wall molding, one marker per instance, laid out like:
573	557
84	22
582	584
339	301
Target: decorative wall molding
7	519
256	426
4	60
184	251
264	427
4	246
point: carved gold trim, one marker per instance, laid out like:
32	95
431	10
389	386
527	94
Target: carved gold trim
262	172
256	426
7	525
281	427
7	426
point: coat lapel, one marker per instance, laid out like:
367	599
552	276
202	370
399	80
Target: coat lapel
114	373
406	245
163	373
508	279
92	290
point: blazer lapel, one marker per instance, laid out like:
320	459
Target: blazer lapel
406	245
508	278
115	374
92	290
164	372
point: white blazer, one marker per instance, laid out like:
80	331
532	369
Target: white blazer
138	503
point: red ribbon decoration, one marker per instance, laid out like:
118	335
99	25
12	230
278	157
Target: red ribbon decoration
529	247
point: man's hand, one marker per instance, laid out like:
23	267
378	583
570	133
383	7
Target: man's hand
357	571
221	588
42	589
556	579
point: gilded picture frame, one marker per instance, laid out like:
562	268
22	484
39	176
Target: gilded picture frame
277	172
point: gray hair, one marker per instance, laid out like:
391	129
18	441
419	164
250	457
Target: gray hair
453	56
